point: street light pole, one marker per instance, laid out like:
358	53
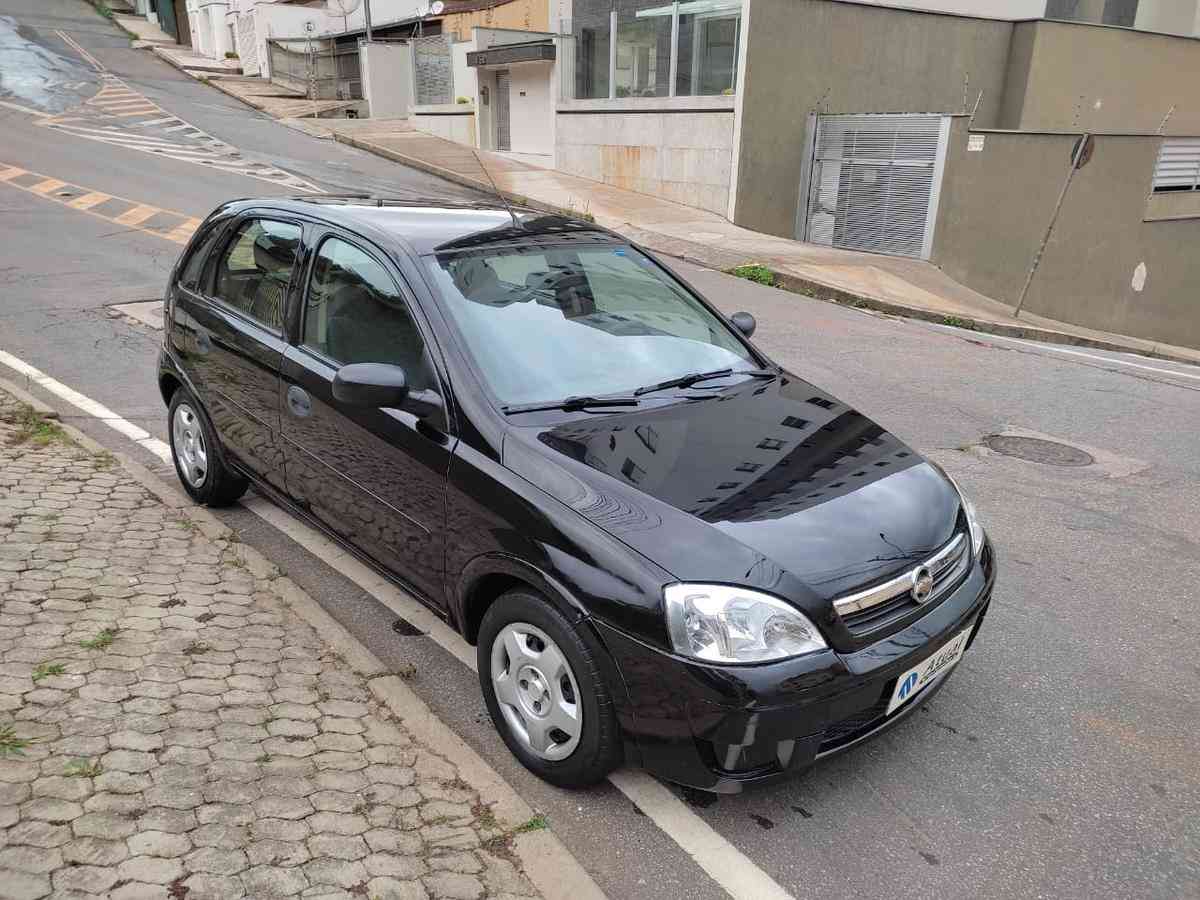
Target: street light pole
367	17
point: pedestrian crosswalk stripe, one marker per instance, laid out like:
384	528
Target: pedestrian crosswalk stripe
45	187
88	200
135	216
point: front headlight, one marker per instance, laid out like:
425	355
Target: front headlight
721	624
973	523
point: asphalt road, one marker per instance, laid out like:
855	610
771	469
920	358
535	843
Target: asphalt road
1060	760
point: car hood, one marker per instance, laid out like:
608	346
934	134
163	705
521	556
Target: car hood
762	484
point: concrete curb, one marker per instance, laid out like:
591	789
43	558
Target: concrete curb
554	871
207	70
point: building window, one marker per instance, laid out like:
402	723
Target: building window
648	48
821	402
749	467
728	485
648	436
770	444
793	422
1178	165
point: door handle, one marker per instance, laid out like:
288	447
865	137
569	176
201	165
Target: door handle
299	402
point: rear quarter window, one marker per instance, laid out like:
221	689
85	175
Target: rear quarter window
191	270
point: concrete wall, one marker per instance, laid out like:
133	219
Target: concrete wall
1117	80
996	203
988	9
452	121
814	55
677	148
386	79
531	109
1171	16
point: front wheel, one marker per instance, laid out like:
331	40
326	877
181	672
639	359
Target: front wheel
197	455
545	693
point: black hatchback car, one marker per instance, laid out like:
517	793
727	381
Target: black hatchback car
667	549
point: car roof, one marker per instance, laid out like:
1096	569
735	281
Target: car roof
426	226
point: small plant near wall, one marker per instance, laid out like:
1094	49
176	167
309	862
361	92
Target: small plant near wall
462	99
231	54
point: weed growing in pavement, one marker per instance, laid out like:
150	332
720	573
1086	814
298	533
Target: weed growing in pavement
83	768
956	322
754	272
484	815
10	744
537	823
100	641
265	758
102	8
46	669
104	460
32	427
195	648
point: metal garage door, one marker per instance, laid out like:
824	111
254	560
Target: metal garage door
503	128
874	182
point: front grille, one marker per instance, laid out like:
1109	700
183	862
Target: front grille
947	567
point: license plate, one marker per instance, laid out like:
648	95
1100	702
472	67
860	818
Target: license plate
919	676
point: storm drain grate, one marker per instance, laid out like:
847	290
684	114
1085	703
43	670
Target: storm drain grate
1049	453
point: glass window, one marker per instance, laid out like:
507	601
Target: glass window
551	322
643	49
189	274
592	42
708	47
255	269
356	314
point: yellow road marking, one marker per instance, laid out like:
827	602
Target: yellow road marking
88	200
182	232
136	112
136	216
45	187
177	227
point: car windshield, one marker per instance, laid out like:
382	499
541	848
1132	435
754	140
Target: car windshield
549	322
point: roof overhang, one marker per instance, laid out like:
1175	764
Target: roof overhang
509	54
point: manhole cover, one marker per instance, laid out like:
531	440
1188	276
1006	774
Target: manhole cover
1050	453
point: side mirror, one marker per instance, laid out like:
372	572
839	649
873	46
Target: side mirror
744	322
370	384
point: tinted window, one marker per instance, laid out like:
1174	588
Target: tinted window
254	271
356	314
189	274
577	320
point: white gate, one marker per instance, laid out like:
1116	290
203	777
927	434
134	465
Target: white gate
503	128
875	181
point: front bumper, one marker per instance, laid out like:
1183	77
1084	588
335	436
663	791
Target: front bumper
720	728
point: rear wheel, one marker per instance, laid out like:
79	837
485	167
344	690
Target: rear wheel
545	693
197	454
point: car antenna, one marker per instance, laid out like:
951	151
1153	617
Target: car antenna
516	222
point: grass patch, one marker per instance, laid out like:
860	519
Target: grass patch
103	8
47	669
100	641
956	322
754	272
10	744
83	768
537	823
32	427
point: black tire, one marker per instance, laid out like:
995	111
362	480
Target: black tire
219	486
599	750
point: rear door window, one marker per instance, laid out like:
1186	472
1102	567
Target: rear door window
255	270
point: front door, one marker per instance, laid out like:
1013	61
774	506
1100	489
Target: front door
376	477
503	128
239	340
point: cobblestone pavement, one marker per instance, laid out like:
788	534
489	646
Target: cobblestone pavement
170	728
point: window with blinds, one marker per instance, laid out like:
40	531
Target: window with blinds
1178	166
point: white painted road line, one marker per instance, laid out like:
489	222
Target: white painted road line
74	45
24	109
735	872
1050	348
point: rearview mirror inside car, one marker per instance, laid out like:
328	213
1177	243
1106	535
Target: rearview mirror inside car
744	322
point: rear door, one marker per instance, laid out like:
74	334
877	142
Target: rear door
239	340
377	477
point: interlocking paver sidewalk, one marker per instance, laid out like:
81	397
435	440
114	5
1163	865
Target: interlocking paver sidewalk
170	728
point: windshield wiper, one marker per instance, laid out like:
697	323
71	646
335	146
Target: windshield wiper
570	404
696	377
